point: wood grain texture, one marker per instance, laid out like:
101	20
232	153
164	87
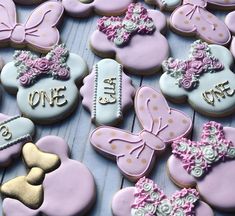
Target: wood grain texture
75	34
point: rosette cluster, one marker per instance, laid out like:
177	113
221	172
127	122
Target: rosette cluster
31	68
188	72
151	201
119	30
198	157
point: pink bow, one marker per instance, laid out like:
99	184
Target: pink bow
39	31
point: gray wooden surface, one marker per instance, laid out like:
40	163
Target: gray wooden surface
76	129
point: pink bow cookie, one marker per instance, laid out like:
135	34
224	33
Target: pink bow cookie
38	32
230	22
192	18
132	39
83	8
207	164
136	153
147	199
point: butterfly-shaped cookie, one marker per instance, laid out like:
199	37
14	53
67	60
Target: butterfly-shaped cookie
230	22
207	164
136	153
83	8
54	185
192	18
147	199
39	32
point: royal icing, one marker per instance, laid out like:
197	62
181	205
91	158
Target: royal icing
187	72
38	32
13	136
136	153
222	4
230	20
46	189
147	199
140	29
192	18
207	165
168	5
188	79
198	157
120	30
107	92
151	201
46	87
83	8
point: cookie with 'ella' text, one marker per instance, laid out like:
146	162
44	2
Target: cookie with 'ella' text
15	131
54	186
205	79
136	153
47	87
107	92
207	165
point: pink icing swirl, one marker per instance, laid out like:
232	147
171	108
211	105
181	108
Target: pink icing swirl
119	30
151	201
188	72
31	68
198	157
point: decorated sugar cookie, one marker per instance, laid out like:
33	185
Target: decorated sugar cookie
219	4
230	22
168	5
39	32
132	39
83	8
107	92
207	164
54	186
205	79
192	19
13	136
46	87
136	153
147	199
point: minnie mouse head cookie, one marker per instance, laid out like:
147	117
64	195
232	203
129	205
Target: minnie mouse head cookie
39	32
207	164
107	92
46	87
132	39
13	136
147	199
135	153
84	8
54	186
230	22
205	79
192	19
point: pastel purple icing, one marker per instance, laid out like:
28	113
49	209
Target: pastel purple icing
230	22
123	199
143	54
68	191
217	186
